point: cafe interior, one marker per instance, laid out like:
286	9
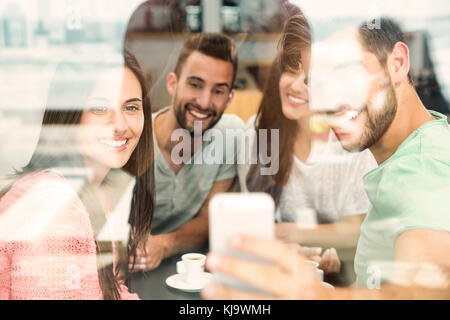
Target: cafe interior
36	36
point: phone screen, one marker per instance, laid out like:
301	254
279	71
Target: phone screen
233	213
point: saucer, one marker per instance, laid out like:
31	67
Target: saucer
177	281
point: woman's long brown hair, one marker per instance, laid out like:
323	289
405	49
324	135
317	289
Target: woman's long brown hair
141	166
296	37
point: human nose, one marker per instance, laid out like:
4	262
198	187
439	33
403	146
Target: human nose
119	123
300	84
204	99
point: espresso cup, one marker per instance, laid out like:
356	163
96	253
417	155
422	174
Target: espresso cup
194	264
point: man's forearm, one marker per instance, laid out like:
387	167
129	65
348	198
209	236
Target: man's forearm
189	237
338	235
194	233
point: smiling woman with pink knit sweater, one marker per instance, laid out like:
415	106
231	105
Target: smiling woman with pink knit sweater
64	225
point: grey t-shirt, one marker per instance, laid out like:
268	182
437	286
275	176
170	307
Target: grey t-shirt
179	197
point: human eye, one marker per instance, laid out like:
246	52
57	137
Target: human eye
351	65
194	84
98	109
219	91
293	72
132	108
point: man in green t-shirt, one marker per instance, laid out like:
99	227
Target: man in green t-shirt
404	245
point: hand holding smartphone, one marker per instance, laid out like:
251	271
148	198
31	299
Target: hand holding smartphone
233	213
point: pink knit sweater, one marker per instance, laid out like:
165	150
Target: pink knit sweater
47	246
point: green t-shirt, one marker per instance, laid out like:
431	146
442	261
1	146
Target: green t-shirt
179	197
410	190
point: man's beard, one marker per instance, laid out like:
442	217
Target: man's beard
379	122
180	115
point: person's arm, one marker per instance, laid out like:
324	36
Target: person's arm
195	232
341	235
290	277
421	256
189	237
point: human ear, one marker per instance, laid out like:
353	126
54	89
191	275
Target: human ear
171	83
398	63
230	98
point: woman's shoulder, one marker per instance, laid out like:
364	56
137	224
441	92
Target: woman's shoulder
36	181
42	203
41	177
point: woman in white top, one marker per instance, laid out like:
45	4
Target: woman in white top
318	187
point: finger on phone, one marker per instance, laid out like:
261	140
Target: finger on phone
325	260
252	273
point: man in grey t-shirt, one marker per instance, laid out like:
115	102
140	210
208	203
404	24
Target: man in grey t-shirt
185	178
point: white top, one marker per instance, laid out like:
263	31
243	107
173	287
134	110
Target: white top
325	188
328	186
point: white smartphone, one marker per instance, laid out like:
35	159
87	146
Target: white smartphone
232	213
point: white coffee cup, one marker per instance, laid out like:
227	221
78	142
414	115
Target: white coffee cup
194	264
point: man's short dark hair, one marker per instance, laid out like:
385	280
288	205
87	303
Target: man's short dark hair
380	38
215	45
